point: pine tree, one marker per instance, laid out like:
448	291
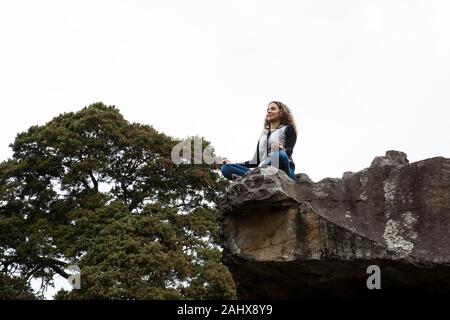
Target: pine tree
91	189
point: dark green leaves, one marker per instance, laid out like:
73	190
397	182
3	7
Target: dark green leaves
90	188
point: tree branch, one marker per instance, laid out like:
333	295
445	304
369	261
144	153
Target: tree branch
94	181
54	264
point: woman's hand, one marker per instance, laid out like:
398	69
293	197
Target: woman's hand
277	146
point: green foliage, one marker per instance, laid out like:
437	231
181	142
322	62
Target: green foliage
14	288
91	189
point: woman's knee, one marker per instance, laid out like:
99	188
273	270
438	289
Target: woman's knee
225	169
281	154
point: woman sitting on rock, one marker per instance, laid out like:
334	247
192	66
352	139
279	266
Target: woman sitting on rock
275	145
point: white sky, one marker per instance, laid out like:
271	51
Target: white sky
361	77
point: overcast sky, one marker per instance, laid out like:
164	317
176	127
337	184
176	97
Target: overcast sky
361	77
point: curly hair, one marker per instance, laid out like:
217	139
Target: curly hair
286	116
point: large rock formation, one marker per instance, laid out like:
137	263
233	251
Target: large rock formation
287	239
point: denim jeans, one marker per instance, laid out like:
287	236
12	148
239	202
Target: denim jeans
239	169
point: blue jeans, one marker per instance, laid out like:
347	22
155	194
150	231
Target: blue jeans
239	169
